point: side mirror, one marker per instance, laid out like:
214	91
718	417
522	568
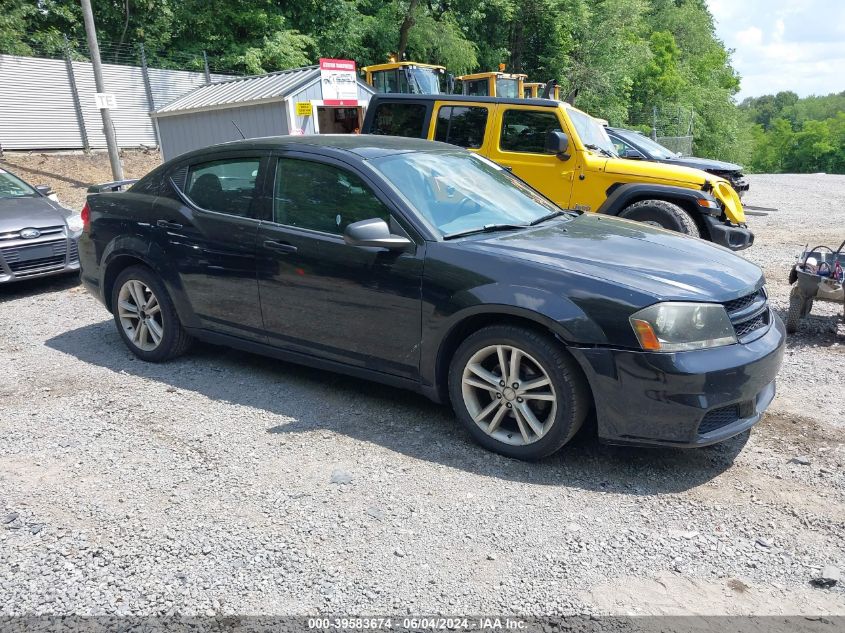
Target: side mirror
634	154
557	143
374	233
44	189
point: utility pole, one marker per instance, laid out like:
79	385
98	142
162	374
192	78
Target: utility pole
108	127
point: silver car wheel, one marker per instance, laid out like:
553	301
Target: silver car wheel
140	315
509	395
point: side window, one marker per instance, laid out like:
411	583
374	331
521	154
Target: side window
225	186
619	145
461	125
525	130
399	119
322	197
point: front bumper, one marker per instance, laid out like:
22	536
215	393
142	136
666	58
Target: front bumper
730	236
685	399
55	253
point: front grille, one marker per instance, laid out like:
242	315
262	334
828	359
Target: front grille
21	261
717	418
747	327
748	314
743	302
46	230
73	252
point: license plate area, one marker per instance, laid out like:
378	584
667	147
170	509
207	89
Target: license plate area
36	252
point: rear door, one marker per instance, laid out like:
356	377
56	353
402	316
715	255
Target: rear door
209	228
517	142
323	297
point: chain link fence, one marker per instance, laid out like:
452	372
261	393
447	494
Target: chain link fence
670	125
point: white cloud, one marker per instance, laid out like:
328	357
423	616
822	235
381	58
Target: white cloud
784	45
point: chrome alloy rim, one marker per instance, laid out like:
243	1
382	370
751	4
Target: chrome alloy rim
140	315
509	395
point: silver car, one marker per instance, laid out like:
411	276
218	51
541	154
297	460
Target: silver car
38	236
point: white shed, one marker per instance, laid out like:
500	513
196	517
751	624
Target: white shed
285	102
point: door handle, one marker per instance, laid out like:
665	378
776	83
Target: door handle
281	247
168	225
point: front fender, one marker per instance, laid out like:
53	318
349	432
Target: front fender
553	312
621	195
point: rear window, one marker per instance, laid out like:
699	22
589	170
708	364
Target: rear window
461	125
399	119
225	186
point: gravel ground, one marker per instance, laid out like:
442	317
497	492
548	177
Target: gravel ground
226	483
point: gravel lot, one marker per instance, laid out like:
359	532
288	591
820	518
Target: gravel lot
225	483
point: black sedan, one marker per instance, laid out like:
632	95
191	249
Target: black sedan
424	266
38	236
638	146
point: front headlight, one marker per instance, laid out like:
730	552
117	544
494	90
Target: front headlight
74	223
678	327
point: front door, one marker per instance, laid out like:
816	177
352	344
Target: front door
322	297
519	141
209	229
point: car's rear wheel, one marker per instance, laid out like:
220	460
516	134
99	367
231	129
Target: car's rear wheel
518	392
145	316
662	213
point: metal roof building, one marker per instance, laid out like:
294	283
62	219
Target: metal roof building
285	102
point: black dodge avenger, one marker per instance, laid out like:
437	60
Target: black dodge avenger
425	266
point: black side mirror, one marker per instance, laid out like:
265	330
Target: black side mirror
44	189
557	143
450	84
634	154
374	233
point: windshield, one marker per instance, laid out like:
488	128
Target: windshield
460	191
590	131
13	187
423	81
651	147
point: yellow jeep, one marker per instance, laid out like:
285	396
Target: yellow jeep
566	154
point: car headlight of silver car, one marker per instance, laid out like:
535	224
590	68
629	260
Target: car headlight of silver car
679	326
74	223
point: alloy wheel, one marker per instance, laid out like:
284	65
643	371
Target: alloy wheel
140	315
509	394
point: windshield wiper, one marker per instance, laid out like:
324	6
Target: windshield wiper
548	216
600	150
487	228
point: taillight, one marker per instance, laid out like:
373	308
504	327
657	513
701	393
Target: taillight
85	214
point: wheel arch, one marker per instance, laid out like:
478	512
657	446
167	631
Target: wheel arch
475	321
622	195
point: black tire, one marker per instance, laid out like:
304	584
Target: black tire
567	384
174	340
796	310
662	213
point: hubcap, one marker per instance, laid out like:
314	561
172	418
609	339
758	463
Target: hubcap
509	395
140	315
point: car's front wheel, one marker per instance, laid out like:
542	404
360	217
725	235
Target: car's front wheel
145	316
518	392
662	213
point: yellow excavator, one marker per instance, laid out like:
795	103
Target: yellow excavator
537	90
493	84
407	78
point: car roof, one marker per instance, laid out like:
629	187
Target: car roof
623	131
365	146
549	103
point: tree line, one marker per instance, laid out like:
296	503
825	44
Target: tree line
616	59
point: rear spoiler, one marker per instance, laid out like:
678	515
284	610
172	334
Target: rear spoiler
117	185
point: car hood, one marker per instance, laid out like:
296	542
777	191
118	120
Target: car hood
706	164
650	260
36	212
657	171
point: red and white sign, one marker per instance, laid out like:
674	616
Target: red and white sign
339	82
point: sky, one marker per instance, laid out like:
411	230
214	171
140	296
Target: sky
796	45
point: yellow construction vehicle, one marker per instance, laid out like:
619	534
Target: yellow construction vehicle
536	90
493	84
406	78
